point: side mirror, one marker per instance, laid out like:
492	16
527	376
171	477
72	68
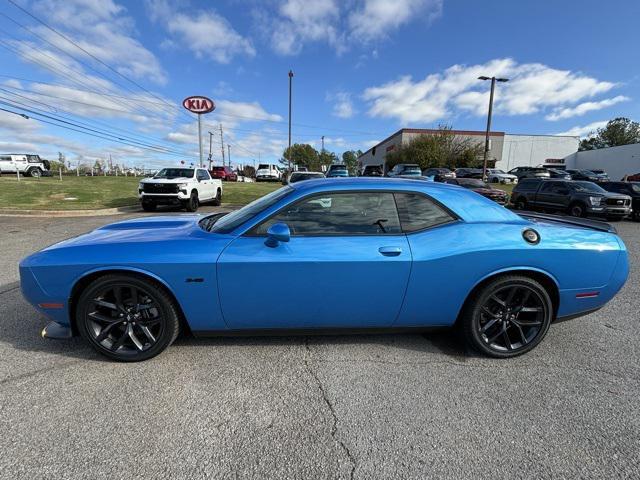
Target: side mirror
278	232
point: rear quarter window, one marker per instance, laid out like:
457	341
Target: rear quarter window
417	212
527	185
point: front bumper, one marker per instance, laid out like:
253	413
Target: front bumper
610	211
164	198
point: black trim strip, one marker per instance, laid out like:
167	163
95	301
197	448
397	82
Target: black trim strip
269	332
580	222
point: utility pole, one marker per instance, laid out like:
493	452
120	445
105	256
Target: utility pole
229	156
289	149
322	151
210	138
222	144
486	139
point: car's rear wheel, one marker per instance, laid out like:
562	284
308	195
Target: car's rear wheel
218	198
127	318
507	317
577	210
193	203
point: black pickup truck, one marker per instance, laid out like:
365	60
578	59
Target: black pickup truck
576	198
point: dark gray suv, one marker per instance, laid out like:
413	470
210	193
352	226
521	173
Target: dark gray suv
577	198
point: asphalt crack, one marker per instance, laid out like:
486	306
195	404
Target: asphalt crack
325	398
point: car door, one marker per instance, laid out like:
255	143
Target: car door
205	187
552	195
347	264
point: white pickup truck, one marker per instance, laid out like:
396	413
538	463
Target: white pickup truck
188	187
31	165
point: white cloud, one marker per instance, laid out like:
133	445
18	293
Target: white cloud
533	87
205	32
246	111
102	28
584	131
585	107
343	104
338	23
374	19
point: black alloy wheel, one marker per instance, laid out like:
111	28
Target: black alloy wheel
508	317
577	210
127	318
193	203
218	198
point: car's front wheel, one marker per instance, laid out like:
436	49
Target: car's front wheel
577	209
507	317
127	318
35	173
193	203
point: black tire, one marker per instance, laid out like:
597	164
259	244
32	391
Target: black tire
35	173
577	209
218	198
193	203
116	321
520	204
149	207
502	324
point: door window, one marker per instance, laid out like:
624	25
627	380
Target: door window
339	214
202	175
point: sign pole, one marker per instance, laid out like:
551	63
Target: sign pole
200	138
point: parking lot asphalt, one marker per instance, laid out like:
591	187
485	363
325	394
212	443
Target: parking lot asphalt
386	406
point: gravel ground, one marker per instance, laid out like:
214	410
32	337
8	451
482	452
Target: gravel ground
387	406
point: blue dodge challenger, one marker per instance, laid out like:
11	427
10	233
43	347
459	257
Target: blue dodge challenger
357	254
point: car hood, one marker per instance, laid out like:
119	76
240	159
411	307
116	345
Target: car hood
489	191
166	180
137	230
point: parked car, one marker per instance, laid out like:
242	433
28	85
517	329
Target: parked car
465	172
140	281
499	196
337	171
632	178
24	164
560	174
575	197
530	172
373	171
585	175
188	187
415	177
405	169
495	175
601	174
631	189
439	174
268	172
226	174
301	176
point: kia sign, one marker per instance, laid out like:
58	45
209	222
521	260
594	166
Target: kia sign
198	104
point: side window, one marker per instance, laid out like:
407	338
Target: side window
202	175
548	187
339	214
418	212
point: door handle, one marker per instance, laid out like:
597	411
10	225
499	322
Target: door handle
390	251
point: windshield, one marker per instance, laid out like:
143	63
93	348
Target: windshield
232	220
217	169
496	171
337	167
174	173
412	170
588	187
263	166
297	177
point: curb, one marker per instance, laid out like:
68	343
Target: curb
85	213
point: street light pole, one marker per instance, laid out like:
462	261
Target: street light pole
289	149
486	139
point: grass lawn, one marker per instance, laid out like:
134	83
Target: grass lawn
86	193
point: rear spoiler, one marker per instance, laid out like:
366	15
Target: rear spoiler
579	222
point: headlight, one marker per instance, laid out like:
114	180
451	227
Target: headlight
595	201
182	186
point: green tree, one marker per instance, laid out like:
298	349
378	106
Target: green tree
350	159
619	131
440	149
325	159
302	155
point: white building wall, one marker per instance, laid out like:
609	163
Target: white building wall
616	161
534	150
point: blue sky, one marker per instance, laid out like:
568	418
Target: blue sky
363	69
